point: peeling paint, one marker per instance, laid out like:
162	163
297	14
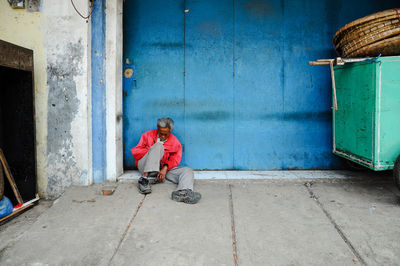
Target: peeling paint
63	105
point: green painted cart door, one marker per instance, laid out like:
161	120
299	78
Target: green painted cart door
366	126
354	119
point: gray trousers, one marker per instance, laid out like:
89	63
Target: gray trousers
183	176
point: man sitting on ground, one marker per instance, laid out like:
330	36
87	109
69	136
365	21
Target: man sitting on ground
158	155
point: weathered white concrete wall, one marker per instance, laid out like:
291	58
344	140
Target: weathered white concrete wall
61	43
67	46
114	88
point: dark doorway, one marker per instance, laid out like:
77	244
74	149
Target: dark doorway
17	129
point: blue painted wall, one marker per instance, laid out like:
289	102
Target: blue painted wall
233	74
209	98
154	43
98	92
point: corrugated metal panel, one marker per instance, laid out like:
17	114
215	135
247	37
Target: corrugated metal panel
154	44
209	116
248	100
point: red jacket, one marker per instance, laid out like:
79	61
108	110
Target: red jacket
172	149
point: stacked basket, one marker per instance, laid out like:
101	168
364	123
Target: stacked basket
372	35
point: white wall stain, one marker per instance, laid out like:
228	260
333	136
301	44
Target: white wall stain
68	49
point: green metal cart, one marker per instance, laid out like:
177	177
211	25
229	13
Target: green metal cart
366	122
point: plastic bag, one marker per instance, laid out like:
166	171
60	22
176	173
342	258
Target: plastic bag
5	207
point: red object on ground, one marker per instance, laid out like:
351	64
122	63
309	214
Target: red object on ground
18	206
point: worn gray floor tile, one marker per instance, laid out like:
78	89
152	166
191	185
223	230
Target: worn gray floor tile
81	228
368	213
277	223
166	232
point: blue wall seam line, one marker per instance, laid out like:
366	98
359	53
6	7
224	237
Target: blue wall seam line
184	73
233	86
283	166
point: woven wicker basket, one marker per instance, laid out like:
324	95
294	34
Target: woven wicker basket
390	46
365	29
364	20
370	36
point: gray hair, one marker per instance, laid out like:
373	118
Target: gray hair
165	122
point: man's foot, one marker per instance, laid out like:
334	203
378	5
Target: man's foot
186	196
152	177
144	186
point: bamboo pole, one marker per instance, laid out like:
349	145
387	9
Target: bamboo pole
10	177
333	86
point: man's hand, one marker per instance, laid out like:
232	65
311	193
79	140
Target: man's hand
162	173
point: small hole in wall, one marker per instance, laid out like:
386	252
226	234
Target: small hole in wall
53	104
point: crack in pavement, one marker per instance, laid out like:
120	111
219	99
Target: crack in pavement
126	229
235	257
330	218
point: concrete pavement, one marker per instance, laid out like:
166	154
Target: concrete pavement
347	221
